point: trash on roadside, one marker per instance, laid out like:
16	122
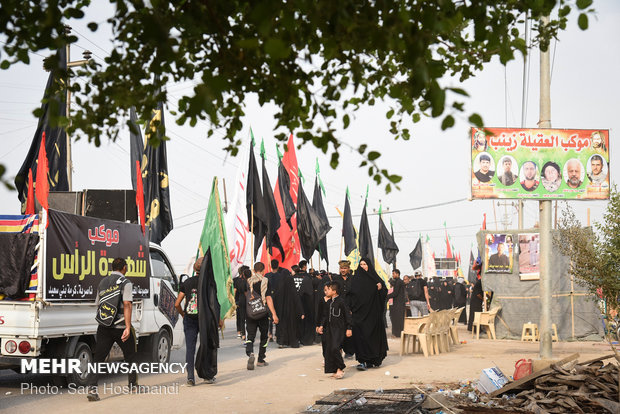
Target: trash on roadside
491	379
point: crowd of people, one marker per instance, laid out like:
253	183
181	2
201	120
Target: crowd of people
345	312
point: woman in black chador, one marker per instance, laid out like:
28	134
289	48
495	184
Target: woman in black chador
368	299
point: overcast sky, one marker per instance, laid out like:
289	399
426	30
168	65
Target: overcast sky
434	164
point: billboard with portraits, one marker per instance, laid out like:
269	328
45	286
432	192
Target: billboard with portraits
541	164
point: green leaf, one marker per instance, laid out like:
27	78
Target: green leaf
416	118
584	4
276	48
345	121
476	120
582	21
362	148
93	26
389	114
5	64
460	91
373	155
448	122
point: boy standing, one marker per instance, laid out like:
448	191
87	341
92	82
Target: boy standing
336	323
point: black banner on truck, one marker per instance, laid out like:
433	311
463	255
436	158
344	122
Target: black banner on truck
80	251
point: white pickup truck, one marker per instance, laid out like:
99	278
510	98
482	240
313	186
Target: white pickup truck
43	328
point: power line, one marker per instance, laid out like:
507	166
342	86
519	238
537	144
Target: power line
445	203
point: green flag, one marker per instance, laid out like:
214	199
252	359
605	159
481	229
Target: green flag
214	236
279	154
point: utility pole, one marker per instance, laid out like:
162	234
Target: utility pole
546	351
524	106
83	62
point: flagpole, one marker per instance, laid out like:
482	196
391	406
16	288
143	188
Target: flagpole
341	241
252	236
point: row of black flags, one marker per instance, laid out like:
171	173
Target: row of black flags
150	154
312	222
263	216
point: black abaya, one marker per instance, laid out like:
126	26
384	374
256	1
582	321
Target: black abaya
367	307
475	304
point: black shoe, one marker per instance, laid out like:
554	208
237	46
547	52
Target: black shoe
190	382
209	381
362	367
262	363
251	362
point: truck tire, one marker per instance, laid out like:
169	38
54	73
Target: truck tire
161	344
85	355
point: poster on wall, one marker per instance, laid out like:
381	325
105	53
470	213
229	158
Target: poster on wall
498	253
529	255
540	164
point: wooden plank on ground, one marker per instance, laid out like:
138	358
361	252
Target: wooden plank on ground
591	361
518	383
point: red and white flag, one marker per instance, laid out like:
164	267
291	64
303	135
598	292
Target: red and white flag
237	225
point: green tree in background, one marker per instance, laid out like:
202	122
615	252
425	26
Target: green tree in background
316	61
594	255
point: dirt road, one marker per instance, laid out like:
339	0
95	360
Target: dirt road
293	380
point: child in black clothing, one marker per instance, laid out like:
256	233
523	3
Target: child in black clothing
335	324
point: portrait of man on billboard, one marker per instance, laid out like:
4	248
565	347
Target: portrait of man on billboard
498	252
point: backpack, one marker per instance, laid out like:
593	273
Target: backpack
192	303
110	302
415	290
255	308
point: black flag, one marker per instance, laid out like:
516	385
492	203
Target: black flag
136	146
208	323
55	137
348	231
284	185
255	203
386	242
365	240
310	227
415	257
319	209
272	239
155	176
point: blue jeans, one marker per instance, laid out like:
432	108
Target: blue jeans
190	327
418	308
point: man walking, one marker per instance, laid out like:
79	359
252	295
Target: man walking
189	312
259	285
397	309
114	300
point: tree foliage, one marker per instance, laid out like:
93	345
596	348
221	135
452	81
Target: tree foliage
317	61
594	255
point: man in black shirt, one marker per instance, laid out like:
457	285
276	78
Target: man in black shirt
419	300
189	291
397	309
240	284
484	174
114	292
260	286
